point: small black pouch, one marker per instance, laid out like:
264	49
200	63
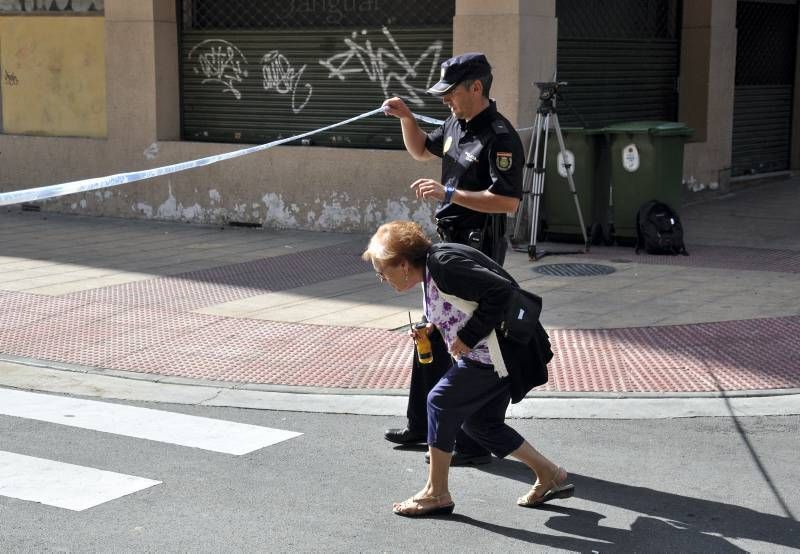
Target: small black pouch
521	316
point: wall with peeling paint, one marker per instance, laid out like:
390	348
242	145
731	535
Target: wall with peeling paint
294	186
298	187
277	188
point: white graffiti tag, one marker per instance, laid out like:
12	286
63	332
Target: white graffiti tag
279	75
220	62
387	66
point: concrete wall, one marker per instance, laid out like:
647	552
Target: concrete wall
519	39
53	76
299	187
708	66
327	188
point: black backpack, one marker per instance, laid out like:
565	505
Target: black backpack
659	229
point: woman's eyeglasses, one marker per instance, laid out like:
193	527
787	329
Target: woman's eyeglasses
381	277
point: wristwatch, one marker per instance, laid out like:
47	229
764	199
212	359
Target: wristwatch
448	193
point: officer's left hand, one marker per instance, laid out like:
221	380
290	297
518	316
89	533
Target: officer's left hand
428	189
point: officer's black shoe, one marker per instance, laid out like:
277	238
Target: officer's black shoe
460	459
404	436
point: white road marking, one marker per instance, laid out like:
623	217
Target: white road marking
63	485
198	432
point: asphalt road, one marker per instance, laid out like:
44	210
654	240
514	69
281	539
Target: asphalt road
681	485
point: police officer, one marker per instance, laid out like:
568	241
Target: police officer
481	181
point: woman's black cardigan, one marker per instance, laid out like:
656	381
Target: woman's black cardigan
467	273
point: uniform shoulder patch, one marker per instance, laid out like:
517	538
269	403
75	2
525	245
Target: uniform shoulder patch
503	160
500	127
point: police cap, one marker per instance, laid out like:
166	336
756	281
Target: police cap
472	65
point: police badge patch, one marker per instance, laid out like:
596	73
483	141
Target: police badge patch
503	161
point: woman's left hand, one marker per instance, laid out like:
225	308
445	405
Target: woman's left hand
459	349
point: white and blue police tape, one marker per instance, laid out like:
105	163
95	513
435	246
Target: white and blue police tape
427	119
52	191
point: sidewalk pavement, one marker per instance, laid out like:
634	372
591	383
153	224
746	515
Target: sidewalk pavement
262	312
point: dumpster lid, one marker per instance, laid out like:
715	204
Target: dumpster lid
662	128
582	130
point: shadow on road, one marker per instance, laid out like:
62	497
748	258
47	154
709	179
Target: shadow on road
645	534
672	521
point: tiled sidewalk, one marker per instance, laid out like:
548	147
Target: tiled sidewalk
258	307
167	324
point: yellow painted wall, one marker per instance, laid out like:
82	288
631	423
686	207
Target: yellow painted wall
53	76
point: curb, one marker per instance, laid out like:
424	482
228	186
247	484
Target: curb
298	389
118	385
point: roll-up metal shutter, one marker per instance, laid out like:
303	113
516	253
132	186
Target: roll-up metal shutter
260	74
763	95
620	59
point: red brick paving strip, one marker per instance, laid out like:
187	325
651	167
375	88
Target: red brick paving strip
148	327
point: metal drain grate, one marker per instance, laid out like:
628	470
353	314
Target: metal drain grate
574	270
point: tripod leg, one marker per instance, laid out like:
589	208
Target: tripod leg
535	205
538	181
527	178
570	180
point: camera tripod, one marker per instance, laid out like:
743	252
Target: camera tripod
533	176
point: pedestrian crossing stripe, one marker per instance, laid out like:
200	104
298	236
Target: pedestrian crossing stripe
216	435
64	485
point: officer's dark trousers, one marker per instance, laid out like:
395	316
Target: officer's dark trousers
471	397
423	378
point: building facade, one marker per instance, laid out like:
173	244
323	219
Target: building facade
99	87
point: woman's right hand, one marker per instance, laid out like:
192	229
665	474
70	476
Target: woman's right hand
414	333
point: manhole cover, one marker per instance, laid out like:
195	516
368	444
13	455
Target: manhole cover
574	270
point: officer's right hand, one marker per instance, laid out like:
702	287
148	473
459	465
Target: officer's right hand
396	107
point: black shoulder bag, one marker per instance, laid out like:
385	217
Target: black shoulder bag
521	316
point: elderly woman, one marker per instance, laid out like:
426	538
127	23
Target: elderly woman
465	295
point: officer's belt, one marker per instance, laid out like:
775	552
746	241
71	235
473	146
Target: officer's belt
462	235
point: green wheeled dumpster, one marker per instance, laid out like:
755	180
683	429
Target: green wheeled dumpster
581	158
646	164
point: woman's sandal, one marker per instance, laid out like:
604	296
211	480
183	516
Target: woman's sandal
544	491
422	507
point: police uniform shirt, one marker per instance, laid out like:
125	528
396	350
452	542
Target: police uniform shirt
482	153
